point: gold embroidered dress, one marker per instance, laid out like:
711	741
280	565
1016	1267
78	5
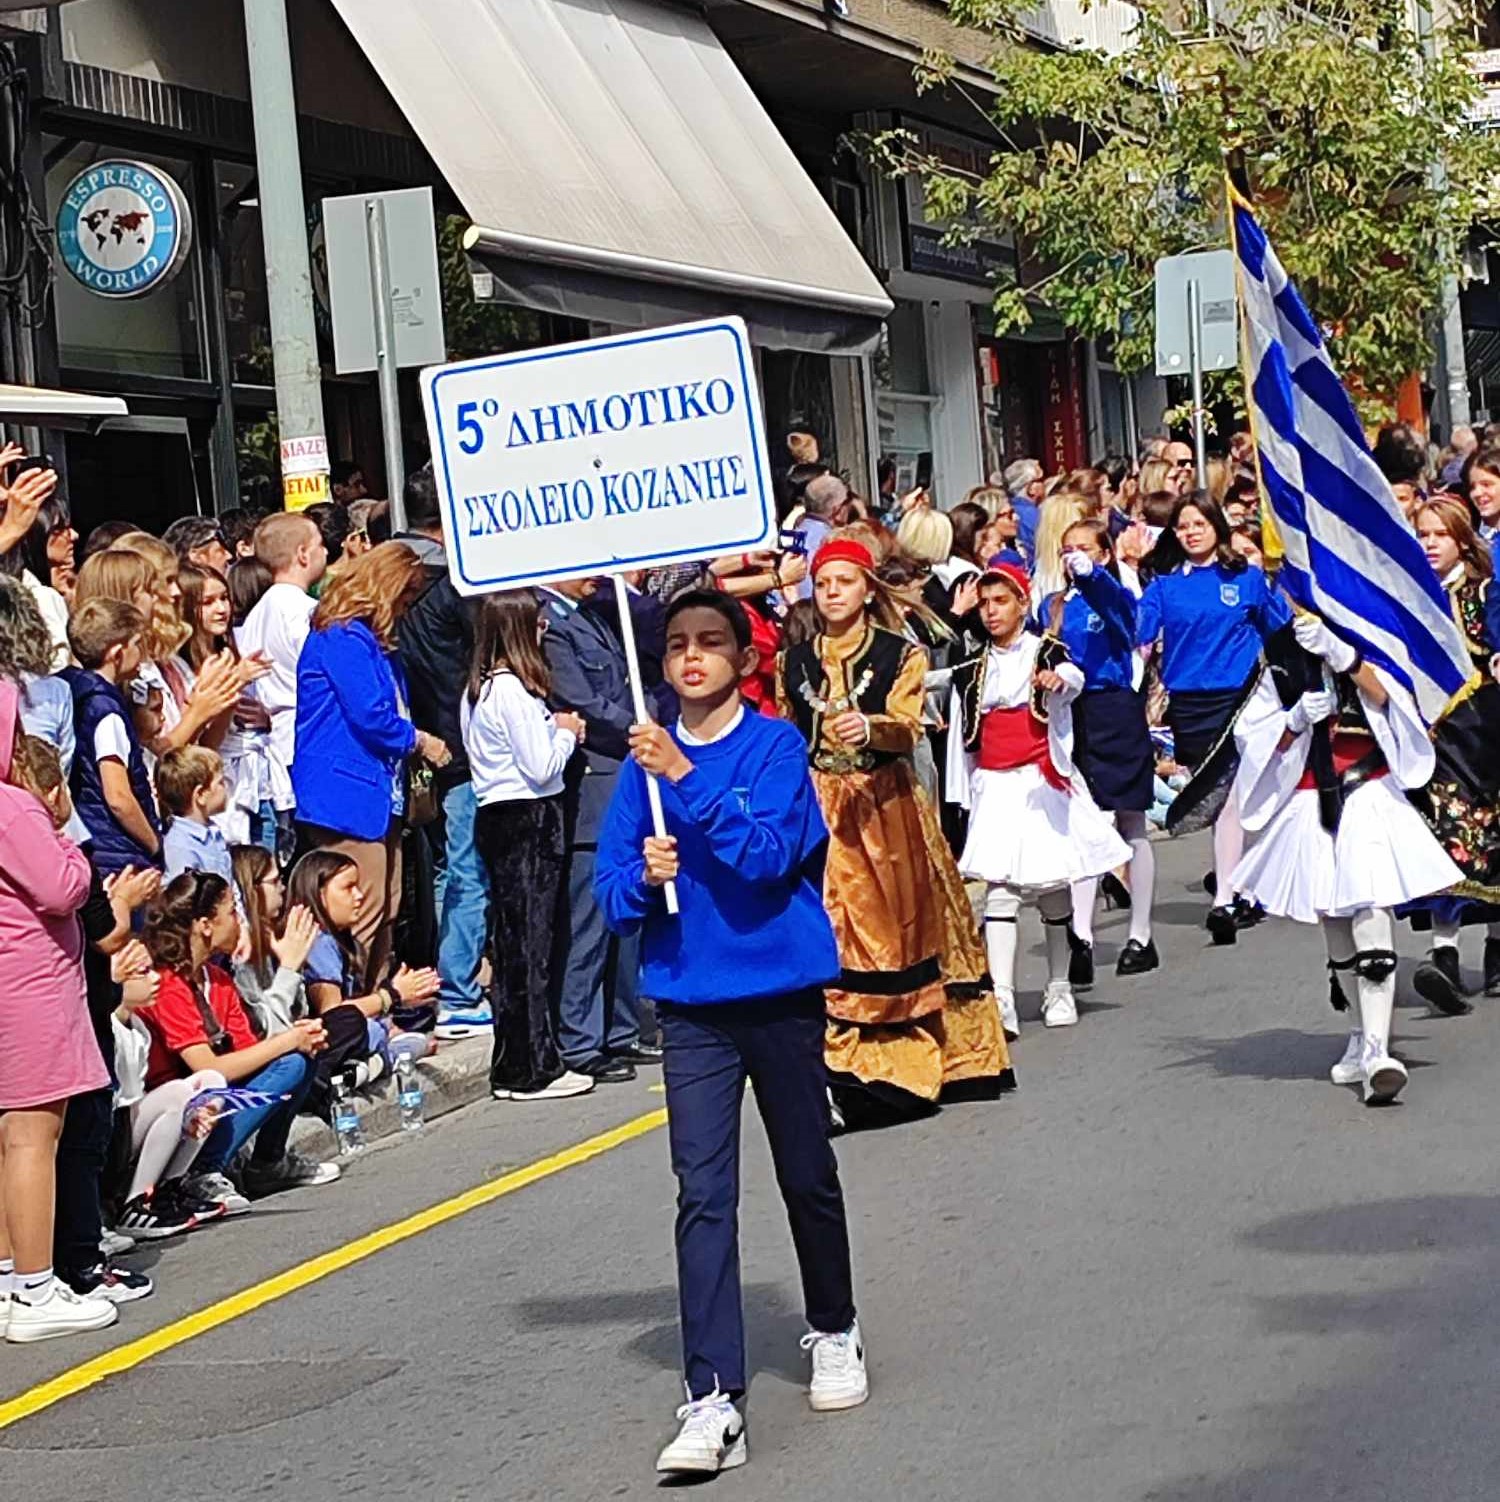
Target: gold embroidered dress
912	1013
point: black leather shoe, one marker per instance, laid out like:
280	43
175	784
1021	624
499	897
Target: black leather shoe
1439	980
1114	892
607	1071
1222	926
638	1053
1081	963
1247	914
1137	958
1492	967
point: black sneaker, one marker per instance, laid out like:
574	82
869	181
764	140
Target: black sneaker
1081	962
152	1217
1439	980
638	1053
607	1071
1222	925
174	1195
1137	958
292	1172
117	1284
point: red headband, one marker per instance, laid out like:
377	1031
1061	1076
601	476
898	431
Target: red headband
843	550
1012	573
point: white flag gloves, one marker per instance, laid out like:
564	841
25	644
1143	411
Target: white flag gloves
1313	636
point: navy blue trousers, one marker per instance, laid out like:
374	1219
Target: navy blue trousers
82	1151
710	1051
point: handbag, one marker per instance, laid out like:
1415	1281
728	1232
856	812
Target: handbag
422	802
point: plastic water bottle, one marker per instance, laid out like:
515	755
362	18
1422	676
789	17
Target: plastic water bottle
346	1123
409	1092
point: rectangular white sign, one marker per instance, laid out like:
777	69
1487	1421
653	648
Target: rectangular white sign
612	454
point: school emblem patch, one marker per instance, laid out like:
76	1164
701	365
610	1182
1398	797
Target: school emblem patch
1229	594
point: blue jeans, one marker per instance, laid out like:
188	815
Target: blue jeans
290	1075
598	1009
263	826
461	890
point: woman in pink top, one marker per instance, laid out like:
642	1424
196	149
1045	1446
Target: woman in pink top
47	1047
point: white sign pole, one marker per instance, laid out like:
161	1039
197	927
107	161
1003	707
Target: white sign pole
638	698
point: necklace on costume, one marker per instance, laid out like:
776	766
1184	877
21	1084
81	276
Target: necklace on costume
840	702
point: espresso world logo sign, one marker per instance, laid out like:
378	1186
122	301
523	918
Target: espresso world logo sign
123	228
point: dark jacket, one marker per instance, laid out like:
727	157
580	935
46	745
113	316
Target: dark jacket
94	700
437	641
352	736
648	617
589	677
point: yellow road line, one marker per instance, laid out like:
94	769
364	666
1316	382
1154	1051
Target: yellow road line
124	1358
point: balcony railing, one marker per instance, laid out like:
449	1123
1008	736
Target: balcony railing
1103	27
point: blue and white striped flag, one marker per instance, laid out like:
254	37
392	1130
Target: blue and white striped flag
1349	553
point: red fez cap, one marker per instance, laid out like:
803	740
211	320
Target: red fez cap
843	550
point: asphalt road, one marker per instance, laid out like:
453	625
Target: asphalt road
1175	1265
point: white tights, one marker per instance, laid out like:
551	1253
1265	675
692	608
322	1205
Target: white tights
1141	879
1445	935
1229	846
157	1143
1002	911
1371	930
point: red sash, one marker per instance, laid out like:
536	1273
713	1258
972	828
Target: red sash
1011	738
1349	748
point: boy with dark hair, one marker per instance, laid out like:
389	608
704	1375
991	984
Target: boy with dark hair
110	786
738	978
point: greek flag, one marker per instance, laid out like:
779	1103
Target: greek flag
1349	553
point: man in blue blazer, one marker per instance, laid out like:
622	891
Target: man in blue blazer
599	1024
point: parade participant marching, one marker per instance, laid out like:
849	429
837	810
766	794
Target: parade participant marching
738	981
1095	620
1461	803
1211	613
1034	828
911	1015
1342	857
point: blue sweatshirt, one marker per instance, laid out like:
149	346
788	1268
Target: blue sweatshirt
1212	622
750	846
1098	629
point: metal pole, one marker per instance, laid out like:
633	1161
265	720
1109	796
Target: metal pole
385	361
1132	437
283	218
1195	361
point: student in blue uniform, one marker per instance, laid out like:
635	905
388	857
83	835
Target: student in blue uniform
738	977
1212	614
1095	619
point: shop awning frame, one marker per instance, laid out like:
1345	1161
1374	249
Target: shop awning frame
617	167
74	411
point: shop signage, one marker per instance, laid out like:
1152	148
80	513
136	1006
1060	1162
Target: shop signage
304	471
592	458
981	259
123	228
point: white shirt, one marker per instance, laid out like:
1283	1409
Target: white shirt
112	739
516	749
278	626
54	612
687	737
132	1051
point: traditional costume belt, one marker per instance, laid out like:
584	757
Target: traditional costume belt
1012	738
853	759
1356	760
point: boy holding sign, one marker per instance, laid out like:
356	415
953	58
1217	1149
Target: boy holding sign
738	978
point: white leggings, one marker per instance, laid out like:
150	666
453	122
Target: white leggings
1141	879
1364	944
157	1143
1002	910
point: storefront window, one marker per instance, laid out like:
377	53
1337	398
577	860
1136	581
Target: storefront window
247	315
903	406
158	333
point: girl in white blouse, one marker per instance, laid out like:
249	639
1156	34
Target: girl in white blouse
517	752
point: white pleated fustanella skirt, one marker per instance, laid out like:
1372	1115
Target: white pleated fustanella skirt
1026	833
1381	856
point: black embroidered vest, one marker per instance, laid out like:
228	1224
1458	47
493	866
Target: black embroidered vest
871	672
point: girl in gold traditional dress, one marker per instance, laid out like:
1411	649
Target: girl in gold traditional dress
912	1017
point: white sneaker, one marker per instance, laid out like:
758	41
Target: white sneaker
1385	1077
60	1312
566	1084
115	1244
217	1187
712	1438
1058	1006
1010	1020
839	1378
463	1022
1350	1070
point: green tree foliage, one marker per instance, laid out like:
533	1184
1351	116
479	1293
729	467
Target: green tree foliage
1335	111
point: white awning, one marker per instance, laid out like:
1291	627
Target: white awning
617	166
36	406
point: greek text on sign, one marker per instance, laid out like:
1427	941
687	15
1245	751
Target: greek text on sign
592	458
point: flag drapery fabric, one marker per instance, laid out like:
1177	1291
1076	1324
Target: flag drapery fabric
1347	550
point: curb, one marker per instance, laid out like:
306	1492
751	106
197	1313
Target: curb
456	1075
